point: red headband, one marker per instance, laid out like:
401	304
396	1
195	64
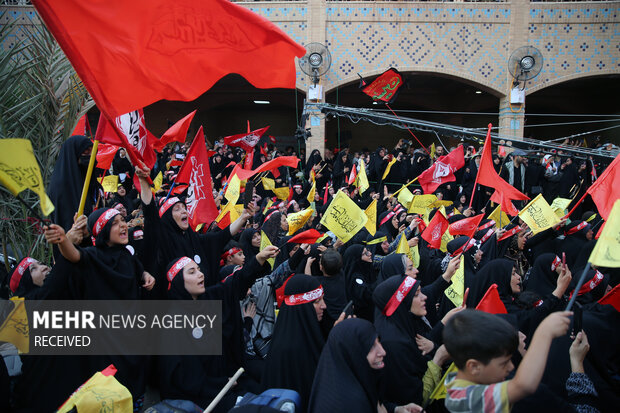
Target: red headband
304	298
399	295
555	263
178	266
19	272
103	220
228	253
387	217
487	235
577	228
509	233
590	285
487	225
464	247
166	205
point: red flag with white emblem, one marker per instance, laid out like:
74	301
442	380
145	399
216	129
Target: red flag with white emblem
442	170
435	229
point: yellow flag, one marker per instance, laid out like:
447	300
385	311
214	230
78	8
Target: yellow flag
377	240
343	217
232	208
100	393
405	197
501	220
606	252
159	179
281	193
403	247
538	215
414	254
371	213
387	169
362	179
440	203
264	242
15	328
420	203
19	170
456	290
233	189
440	391
312	192
559	206
445	238
269	204
268	183
109	183
433	150
298	219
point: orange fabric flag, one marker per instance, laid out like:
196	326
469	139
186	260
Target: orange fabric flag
176	133
130	54
504	192
606	189
491	303
435	229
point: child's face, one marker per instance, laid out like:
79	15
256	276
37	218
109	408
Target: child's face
496	371
119	232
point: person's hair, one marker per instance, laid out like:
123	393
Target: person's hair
477	335
331	261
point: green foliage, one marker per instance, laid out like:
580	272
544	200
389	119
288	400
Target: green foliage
41	99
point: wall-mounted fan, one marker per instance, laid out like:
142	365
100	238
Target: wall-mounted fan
525	63
316	61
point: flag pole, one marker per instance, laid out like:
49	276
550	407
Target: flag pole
578	287
89	174
473	192
406	185
409	130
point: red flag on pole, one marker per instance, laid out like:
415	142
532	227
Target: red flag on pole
435	229
130	54
491	303
246	141
504	192
307	237
176	133
442	170
606	189
80	128
105	155
385	87
465	226
612	298
196	173
290	161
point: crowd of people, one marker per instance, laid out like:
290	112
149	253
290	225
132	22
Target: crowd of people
287	313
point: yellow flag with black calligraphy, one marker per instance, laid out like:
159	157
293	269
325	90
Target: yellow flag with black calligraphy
233	189
19	170
456	290
538	215
281	193
420	203
500	217
440	391
268	183
15	328
110	183
371	213
264	242
560	205
606	252
414	254
297	220
159	179
343	217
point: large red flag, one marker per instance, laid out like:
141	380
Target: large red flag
196	173
247	141
491	303
176	133
465	226
606	189
504	192
442	171
129	132
130	54
435	229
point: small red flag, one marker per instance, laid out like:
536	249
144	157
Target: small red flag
442	170
247	141
606	189
352	175
273	164
612	298
225	221
307	237
105	155
385	87
80	128
465	226
491	303
176	133
196	173
433	233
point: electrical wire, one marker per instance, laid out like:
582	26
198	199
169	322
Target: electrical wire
496	113
555	124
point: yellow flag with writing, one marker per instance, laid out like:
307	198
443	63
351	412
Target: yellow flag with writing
405	197
101	393
538	215
500	217
420	203
371	213
110	183
264	242
19	170
387	168
403	246
312	192
414	254
456	290
297	220
15	329
281	193
233	189
159	179
362	179
268	183
559	205
606	252
440	391
343	217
